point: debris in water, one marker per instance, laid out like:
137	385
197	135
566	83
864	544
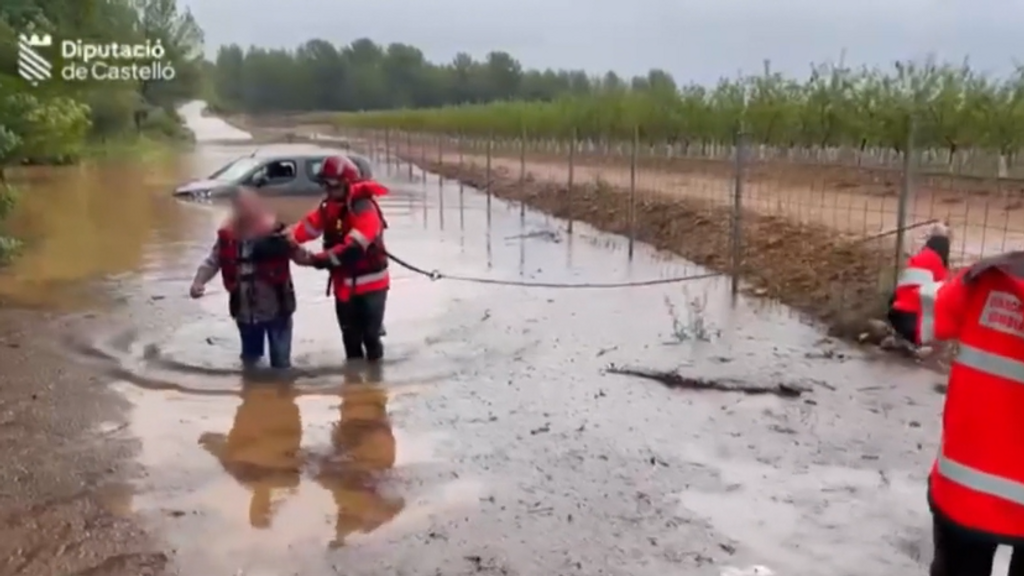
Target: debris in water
785	389
549	235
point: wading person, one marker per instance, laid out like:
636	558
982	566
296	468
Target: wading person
352	226
976	485
254	257
925	268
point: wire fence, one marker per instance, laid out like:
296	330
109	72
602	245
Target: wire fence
870	195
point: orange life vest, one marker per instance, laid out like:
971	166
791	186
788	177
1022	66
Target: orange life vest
236	267
977	481
370	273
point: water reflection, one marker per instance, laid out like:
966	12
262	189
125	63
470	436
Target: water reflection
262	450
363	451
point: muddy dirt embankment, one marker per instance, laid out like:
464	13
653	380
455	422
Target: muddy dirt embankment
806	266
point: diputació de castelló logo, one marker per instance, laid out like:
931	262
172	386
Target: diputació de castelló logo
79	60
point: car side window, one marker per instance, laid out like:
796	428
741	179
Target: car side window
313	167
280	171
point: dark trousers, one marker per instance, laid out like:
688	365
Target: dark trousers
276	333
361	320
905	324
960	554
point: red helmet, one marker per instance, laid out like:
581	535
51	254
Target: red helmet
337	170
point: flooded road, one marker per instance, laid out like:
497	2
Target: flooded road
490	440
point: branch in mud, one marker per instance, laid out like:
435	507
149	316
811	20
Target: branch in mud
785	389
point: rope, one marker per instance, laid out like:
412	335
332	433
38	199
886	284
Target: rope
897	230
437	275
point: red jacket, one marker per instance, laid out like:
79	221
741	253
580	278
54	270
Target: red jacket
353	233
977	482
923	269
274	270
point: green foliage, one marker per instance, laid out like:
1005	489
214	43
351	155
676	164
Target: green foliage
51	129
951	107
367	76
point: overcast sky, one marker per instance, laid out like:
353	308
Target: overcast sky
695	40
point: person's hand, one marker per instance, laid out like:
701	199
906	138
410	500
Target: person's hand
197	290
289	235
319	262
303	257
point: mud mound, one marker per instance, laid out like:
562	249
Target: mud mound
839	281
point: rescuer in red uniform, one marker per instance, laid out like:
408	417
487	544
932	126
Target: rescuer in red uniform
976	485
352	226
924	268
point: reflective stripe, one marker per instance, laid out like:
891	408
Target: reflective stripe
371	278
927	294
915	277
359	237
310	229
333	259
992	364
979	481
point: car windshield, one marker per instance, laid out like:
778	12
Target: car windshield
235	170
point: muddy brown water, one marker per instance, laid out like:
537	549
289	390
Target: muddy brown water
490	441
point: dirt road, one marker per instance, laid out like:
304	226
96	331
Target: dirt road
491	440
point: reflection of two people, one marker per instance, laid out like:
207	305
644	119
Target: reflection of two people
263	452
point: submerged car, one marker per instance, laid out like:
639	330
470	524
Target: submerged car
273	175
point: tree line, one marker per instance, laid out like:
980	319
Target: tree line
367	76
940	106
948	107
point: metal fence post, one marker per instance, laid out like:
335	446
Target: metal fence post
440	157
440	180
632	189
462	188
572	175
421	142
408	151
387	149
737	211
522	175
398	153
904	200
487	175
